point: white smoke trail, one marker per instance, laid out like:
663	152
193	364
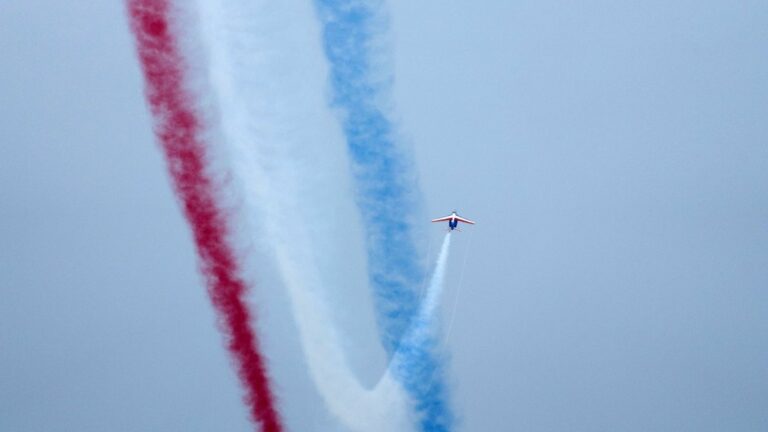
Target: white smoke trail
432	297
286	159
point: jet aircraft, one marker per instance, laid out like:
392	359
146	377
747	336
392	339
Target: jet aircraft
453	220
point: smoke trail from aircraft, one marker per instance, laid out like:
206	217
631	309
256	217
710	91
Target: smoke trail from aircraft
414	362
179	129
435	290
382	408
387	193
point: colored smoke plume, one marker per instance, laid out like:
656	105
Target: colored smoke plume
179	129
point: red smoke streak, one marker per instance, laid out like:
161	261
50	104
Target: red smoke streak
179	130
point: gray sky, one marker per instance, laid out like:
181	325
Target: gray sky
615	157
613	153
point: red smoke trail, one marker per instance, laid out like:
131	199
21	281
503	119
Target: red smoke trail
179	130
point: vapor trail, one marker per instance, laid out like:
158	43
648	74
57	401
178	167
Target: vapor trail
180	131
436	285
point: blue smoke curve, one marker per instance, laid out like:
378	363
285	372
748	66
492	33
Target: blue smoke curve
387	196
386	192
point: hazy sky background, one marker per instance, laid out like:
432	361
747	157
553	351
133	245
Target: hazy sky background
614	154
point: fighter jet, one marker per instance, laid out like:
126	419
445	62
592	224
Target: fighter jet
453	220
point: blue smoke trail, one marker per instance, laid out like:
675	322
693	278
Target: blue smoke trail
386	190
387	197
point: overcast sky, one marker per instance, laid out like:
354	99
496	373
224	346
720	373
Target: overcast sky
614	154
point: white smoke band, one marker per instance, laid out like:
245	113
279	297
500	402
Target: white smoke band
269	113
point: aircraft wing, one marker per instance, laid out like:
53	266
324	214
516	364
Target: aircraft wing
442	219
461	219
